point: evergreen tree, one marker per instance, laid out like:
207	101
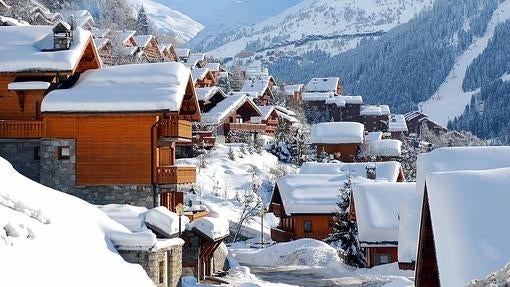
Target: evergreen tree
143	25
345	231
231	155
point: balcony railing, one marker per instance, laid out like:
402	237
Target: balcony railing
21	129
272	122
247	127
176	174
175	129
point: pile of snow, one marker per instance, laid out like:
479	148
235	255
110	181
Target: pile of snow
132	217
164	221
382	147
304	252
213	228
57	236
123	88
337	133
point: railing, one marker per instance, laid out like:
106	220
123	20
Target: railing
256	128
194	215
272	122
21	129
175	174
174	128
277	209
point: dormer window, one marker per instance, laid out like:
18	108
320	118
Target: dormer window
62	36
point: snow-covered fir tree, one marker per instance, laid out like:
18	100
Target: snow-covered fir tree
143	23
345	231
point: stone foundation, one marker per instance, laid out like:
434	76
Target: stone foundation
22	154
125	194
59	174
163	266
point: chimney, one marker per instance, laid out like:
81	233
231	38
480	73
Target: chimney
371	171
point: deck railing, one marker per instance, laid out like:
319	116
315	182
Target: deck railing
176	174
176	129
248	127
21	129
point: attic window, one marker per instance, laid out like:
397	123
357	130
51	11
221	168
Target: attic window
64	152
307	226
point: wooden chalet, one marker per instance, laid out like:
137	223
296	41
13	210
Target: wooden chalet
306	202
269	117
196	60
328	106
397	126
416	120
124	38
339	140
202	78
149	46
375	207
183	54
463	229
380	150
324	85
231	118
168	52
110	158
293	94
286	116
374	117
260	89
37	59
215	69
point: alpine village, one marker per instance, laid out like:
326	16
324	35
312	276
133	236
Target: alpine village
135	153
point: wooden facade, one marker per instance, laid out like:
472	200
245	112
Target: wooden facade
416	120
207	81
342	152
378	255
150	49
427	271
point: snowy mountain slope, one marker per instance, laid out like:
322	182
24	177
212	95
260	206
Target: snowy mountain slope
170	21
299	28
450	99
49	238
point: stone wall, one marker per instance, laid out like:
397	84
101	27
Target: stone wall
59	174
121	194
163	266
22	154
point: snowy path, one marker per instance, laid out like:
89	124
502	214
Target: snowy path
450	99
310	276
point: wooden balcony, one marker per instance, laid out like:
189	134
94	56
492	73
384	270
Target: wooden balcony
176	174
173	129
21	129
247	127
203	139
272	122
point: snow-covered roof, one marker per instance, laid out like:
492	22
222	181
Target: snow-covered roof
255	72
120	37
323	85
82	18
24	86
286	117
397	123
182	52
291	89
130	88
258	85
469	214
408	228
214	67
377	210
382	147
204	94
355	100
285	110
129	51
460	158
101	42
224	108
8	21
143	40
371	110
100	33
318	96
165	222
22	47
194	58
388	170
213	228
300	192
373	136
337	133
198	74
332	98
265	112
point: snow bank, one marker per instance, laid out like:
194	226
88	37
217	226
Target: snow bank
305	252
337	133
213	228
135	87
56	237
130	216
469	214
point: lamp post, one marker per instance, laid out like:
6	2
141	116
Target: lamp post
262	212
179	209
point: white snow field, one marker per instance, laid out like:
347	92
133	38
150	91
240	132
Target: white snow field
49	238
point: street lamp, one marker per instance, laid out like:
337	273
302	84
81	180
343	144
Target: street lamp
262	212
179	209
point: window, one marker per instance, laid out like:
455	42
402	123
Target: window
382	258
161	272
64	152
307	226
37	153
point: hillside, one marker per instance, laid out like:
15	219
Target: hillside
406	65
331	26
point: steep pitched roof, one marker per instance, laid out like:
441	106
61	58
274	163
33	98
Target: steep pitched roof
337	133
323	85
224	108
